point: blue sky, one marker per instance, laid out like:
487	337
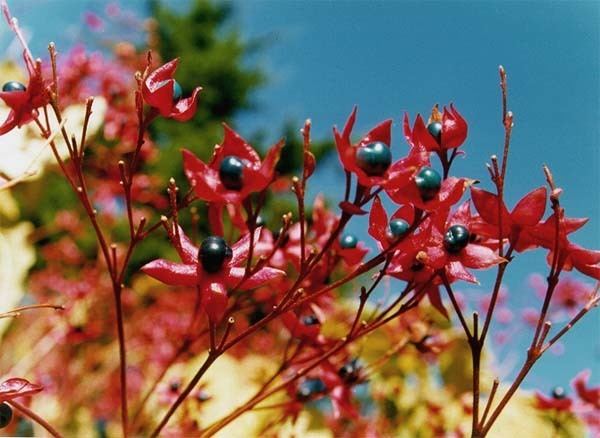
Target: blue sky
393	56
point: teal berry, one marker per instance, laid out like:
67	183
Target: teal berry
309	388
213	252
374	158
456	238
177	91
558	393
6	415
310	320
428	182
231	172
435	129
348	241
13	86
397	228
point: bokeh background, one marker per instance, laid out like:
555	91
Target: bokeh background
316	59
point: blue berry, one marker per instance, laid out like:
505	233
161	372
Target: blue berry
310	388
13	86
428	182
456	238
177	91
310	320
348	241
231	172
374	158
6	415
214	251
397	228
435	129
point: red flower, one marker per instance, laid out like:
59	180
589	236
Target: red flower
544	402
253	176
450	130
389	175
212	284
162	92
17	387
525	215
587	395
379	226
23	101
570	255
306	327
407	263
450	192
455	260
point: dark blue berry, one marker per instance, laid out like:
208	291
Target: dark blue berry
310	320
397	228
456	238
428	182
348	241
231	172
374	158
310	388
435	129
6	414
350	371
214	251
13	86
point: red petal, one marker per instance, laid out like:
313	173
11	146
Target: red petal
406	212
479	257
203	178
342	142
586	261
350	123
350	208
214	300
456	271
241	248
486	204
154	81
378	221
174	274
268	166
422	137
380	133
15	99
433	293
530	209
157	89
187	251
591	395
454	129
451	191
234	144
17	387
353	256
185	109
9	124
407	131
263	276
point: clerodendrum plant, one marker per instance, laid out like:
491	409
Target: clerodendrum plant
285	300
